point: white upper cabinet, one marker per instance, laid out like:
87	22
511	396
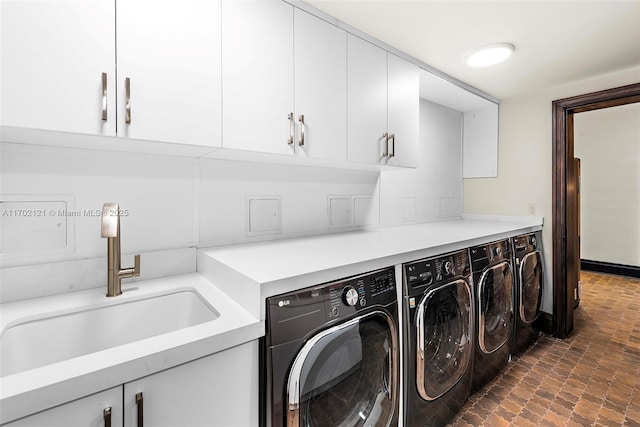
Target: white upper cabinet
403	115
367	101
169	57
257	76
480	143
320	52
260	76
284	81
384	106
480	123
53	56
59	68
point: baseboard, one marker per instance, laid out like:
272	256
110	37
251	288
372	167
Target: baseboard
610	268
544	323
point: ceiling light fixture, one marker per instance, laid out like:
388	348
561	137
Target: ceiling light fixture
490	54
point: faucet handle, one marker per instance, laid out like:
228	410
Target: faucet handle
136	266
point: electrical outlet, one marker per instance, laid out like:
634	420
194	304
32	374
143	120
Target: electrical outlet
532	209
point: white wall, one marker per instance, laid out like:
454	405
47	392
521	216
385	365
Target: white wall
433	190
174	203
523	185
608	144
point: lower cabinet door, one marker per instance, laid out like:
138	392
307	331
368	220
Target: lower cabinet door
102	409
217	390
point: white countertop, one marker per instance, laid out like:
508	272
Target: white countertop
235	280
284	265
40	388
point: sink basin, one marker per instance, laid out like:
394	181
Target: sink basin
60	336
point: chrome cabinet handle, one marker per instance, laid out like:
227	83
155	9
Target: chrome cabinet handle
139	404
104	97
301	119
292	128
106	414
392	152
127	89
386	144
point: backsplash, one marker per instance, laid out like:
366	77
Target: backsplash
173	203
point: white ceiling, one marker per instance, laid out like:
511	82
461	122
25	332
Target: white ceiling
557	42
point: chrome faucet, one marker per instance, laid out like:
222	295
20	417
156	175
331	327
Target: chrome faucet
111	231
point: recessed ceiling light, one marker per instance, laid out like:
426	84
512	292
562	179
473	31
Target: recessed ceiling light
490	54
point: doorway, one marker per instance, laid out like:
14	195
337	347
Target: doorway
566	261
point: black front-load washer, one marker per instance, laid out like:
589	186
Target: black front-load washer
331	354
493	286
438	338
528	261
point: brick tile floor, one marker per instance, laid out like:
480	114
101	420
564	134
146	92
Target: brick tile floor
590	379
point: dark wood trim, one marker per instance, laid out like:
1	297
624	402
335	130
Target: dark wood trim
610	268
563	110
544	323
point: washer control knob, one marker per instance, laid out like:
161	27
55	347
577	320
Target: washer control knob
533	240
495	252
448	267
350	296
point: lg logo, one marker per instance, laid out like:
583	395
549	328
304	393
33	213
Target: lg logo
282	303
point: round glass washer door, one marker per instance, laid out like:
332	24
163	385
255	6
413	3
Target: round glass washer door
443	334
346	376
531	276
495	307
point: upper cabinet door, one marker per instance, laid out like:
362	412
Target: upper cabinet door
480	143
403	111
367	101
53	55
257	76
169	71
320	52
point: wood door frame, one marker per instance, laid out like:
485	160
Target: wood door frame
563	149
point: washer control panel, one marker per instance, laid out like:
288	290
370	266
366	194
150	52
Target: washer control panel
525	243
293	315
434	270
357	293
491	253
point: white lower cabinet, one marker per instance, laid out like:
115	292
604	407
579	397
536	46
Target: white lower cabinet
97	410
216	390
